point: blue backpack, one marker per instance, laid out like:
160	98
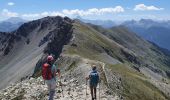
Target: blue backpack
94	78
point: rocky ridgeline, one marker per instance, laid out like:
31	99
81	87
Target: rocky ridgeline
35	89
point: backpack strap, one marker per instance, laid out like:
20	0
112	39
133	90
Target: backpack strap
93	73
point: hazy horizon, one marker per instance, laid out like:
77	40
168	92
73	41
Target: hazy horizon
104	10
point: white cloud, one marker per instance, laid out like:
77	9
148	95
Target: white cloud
43	14
31	15
93	11
7	13
11	3
143	7
76	12
55	13
65	12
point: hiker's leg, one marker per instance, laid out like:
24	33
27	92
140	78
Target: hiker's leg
48	85
49	89
52	90
51	94
91	90
53	85
95	92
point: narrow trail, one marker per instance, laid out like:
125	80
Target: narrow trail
78	92
75	88
73	85
35	89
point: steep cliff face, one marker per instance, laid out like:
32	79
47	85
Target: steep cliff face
22	48
129	66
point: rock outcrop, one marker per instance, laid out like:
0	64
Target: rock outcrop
119	54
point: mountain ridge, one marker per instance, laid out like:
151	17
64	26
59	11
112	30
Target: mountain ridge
152	30
125	55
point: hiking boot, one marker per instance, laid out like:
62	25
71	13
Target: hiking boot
95	97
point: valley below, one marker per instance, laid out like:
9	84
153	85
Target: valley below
130	67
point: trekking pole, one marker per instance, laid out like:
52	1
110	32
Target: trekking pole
86	88
99	89
43	83
61	87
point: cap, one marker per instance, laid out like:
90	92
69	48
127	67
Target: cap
50	58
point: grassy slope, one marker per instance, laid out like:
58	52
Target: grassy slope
135	85
147	53
90	43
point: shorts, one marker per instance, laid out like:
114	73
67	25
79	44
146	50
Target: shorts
93	85
51	84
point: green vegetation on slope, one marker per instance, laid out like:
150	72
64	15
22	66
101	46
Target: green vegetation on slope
135	85
90	43
149	54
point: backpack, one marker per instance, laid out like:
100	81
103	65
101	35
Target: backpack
94	78
46	72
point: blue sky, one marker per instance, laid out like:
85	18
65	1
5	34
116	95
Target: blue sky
89	9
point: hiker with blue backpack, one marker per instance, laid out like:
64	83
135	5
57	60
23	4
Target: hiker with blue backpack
49	71
93	78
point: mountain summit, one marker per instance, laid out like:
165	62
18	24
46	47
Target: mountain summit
130	67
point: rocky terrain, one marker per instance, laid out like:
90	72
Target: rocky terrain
130	68
34	89
73	85
25	46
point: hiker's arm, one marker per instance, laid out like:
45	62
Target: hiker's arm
54	70
88	77
58	72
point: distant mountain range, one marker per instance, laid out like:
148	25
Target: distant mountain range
129	66
11	24
104	23
157	32
154	31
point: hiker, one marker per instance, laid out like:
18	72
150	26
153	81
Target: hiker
94	80
49	71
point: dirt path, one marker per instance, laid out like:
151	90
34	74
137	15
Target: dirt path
74	86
